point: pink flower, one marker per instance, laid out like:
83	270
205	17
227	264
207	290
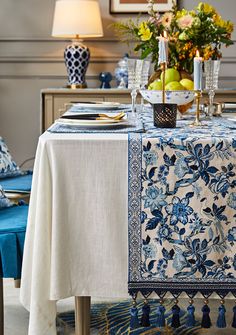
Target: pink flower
167	19
185	21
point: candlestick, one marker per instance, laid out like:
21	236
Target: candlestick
197	122
163	69
198	72
163	49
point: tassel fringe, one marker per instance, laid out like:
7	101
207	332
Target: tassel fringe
160	321
190	316
134	321
145	322
175	322
221	322
234	317
206	321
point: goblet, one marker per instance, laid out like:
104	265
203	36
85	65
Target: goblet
211	72
144	78
135	67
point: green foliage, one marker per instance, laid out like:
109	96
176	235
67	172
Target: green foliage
201	29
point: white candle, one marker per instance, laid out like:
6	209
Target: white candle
163	49
197	72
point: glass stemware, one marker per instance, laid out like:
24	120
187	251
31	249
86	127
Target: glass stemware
144	78
135	67
211	72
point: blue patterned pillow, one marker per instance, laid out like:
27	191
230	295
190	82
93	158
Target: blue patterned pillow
4	201
8	168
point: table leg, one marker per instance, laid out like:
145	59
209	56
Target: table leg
1	308
17	283
82	315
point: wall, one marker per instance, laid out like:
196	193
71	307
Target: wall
31	60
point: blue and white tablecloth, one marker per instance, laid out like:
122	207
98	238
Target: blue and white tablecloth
182	209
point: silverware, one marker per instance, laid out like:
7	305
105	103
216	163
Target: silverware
94	116
87	102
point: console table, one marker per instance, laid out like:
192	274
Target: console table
54	101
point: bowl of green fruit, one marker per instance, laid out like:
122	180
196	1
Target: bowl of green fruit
177	90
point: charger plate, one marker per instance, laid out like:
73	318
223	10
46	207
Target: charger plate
94	123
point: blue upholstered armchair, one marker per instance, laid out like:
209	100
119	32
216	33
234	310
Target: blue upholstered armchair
13	219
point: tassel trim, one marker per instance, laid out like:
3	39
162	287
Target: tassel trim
134	321
234	316
206	321
190	322
221	322
145	321
175	322
160	320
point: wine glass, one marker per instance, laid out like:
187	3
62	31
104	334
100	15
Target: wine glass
135	67
144	79
211	71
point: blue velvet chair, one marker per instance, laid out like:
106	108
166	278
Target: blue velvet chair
17	184
13	222
17	188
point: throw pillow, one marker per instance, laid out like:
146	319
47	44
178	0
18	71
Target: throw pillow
8	168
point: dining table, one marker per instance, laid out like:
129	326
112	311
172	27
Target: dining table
77	241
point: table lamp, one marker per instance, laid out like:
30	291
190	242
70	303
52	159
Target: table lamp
75	20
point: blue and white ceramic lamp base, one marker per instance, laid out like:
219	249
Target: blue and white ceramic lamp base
77	58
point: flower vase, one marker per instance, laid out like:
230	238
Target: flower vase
211	73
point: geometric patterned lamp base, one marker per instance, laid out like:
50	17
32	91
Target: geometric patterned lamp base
77	58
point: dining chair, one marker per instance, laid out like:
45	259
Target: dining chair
13	222
17	188
21	183
13	179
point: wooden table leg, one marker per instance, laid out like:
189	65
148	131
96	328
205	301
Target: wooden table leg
82	315
17	283
1	308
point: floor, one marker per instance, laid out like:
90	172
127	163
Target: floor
16	317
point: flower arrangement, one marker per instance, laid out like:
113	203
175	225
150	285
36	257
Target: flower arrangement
200	29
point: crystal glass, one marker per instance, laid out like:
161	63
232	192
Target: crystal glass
135	68
144	79
145	73
211	72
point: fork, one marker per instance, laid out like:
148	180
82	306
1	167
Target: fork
94	117
117	117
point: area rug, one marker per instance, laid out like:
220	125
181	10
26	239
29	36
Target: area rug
113	319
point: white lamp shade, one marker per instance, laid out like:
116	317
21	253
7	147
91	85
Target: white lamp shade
74	18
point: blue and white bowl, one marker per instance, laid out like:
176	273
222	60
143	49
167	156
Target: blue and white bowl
172	97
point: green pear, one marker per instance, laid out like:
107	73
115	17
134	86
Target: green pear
187	83
174	86
155	85
171	75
